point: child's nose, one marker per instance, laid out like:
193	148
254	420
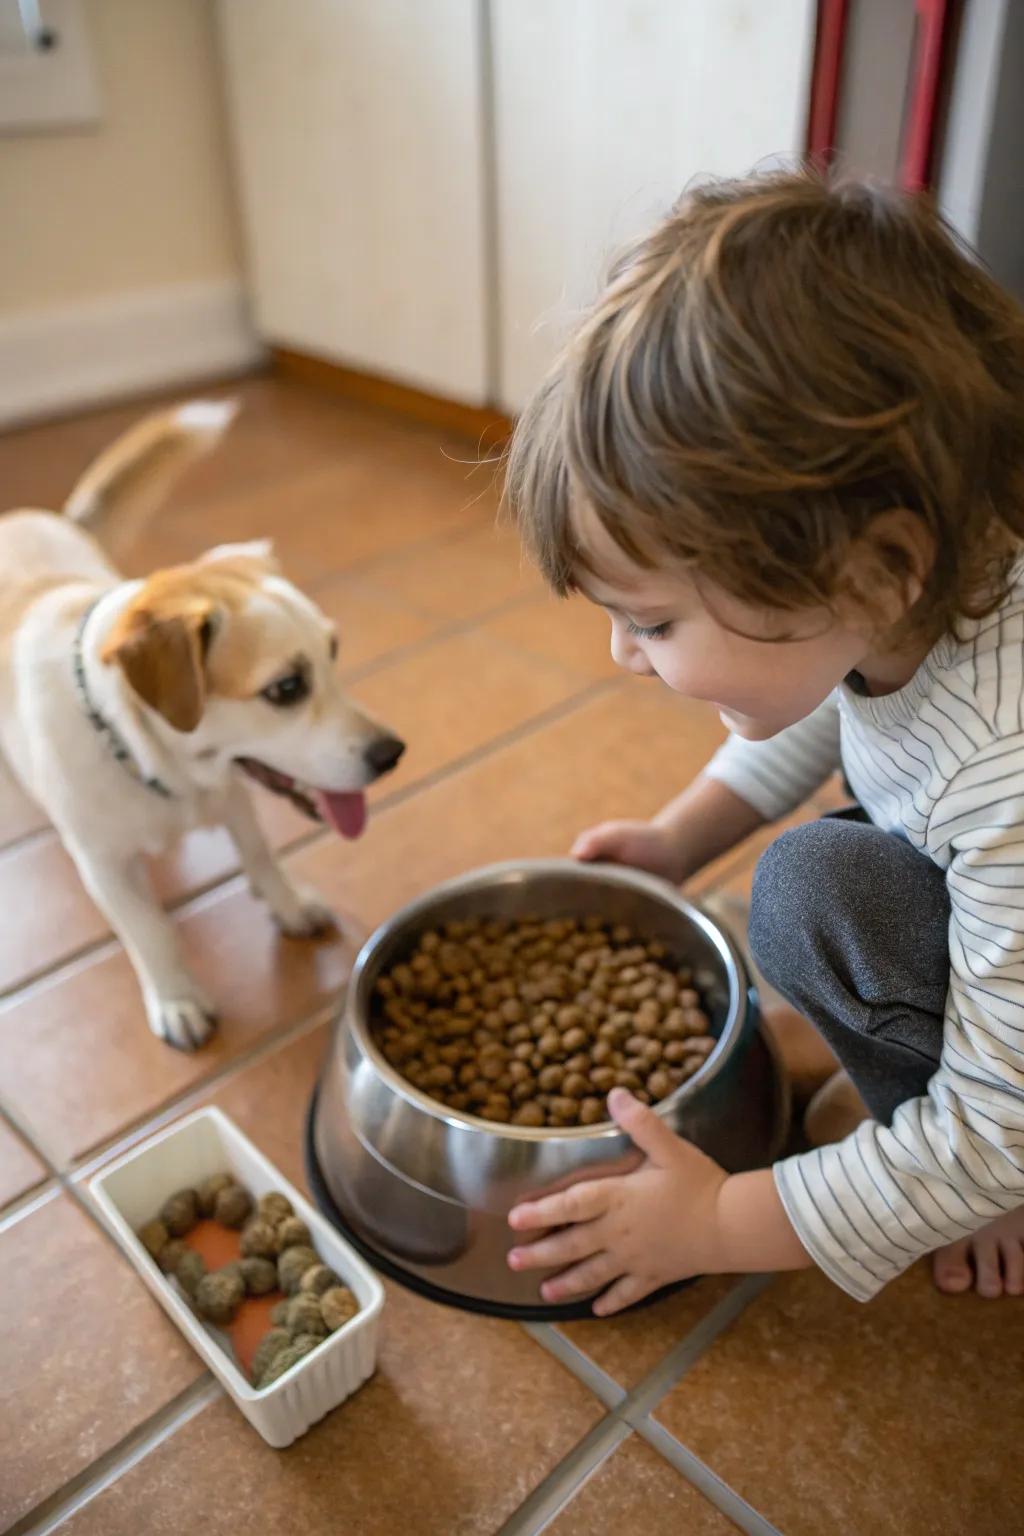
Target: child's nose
628	655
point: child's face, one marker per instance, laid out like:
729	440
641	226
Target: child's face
707	645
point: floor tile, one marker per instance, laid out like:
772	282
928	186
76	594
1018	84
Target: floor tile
572	632
832	1417
628	1346
20	1168
463	1419
269	1100
461	577
19	816
636	1490
80	1065
88	1355
454	696
371	623
621	754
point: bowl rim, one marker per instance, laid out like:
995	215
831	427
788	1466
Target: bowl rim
354	1014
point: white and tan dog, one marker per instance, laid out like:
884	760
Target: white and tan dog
130	710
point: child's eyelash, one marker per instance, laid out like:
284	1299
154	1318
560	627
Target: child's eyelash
655	632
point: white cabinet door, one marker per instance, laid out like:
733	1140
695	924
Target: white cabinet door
357	134
604	110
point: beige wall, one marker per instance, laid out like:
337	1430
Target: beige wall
144	199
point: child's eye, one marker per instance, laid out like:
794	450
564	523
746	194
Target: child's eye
655	632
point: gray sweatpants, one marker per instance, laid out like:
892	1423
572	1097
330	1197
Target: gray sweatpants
851	925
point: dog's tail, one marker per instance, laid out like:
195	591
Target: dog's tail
132	476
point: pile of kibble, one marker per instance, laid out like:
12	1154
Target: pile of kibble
533	1022
277	1254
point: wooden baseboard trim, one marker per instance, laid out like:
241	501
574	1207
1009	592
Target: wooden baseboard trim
487	428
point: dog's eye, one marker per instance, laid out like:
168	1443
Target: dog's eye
287	690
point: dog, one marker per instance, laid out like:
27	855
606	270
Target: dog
133	710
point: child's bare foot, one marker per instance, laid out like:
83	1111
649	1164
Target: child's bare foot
835	1111
991	1262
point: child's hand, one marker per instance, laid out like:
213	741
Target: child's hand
641	1231
641	844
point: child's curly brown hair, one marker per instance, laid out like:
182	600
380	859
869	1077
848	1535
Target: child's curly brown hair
780	361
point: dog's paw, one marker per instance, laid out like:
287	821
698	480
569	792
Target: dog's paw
184	1022
305	915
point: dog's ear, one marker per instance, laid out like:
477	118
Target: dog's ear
163	657
255	554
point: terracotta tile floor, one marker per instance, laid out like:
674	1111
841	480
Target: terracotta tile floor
804	1414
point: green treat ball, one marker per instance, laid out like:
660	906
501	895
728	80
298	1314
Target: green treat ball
209	1189
270	1345
180	1212
153	1236
337	1306
189	1270
307	1342
259	1240
304	1317
279	1312
293	1233
282	1361
169	1255
219	1296
259	1276
318	1279
291	1267
232	1206
274	1208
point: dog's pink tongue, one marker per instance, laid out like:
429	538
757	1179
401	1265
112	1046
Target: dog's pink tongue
345	813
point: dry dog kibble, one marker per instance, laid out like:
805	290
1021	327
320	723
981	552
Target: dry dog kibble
219	1296
232	1206
274	1208
337	1306
259	1240
293	1233
180	1212
208	1190
291	1267
534	1022
153	1237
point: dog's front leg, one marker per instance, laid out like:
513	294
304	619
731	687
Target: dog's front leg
176	1007
298	911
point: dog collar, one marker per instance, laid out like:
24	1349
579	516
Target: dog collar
99	722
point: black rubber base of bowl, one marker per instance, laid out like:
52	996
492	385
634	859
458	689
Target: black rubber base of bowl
566	1312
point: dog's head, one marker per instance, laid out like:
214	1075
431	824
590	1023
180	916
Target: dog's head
232	656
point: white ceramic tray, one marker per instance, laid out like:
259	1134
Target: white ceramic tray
131	1191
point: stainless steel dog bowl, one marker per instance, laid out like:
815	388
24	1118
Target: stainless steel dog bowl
424	1191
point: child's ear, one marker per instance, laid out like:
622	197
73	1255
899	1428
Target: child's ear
889	565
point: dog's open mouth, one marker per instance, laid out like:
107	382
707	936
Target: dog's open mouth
344	813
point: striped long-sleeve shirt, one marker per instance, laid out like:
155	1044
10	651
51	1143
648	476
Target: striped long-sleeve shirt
942	763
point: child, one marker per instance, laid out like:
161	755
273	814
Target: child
785	453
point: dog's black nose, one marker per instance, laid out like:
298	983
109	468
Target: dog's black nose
383	753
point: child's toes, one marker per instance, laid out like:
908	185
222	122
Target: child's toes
951	1268
1012	1255
988	1277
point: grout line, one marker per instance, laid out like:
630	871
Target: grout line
554	1492
28	1203
708	1483
113	1464
607	1390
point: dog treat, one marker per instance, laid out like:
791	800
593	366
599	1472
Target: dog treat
274	1207
219	1296
305	1316
279	1311
268	1347
291	1267
208	1190
337	1305
232	1206
180	1212
293	1233
190	1270
285	1358
533	1022
259	1275
153	1237
259	1240
170	1254
318	1279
